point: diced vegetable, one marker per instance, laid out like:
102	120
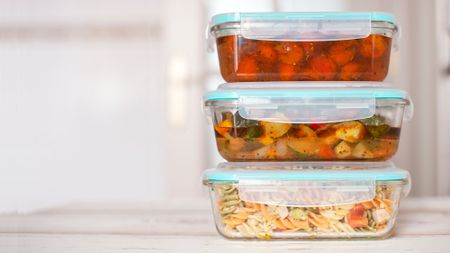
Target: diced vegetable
343	150
305	131
383	147
378	131
253	132
282	211
298	214
301	156
275	129
328	136
380	215
261	153
351	131
356	217
326	153
282	149
375	120
265	140
223	127
257	154
222	143
306	146
362	151
356	222
236	144
376	126
368	205
252	145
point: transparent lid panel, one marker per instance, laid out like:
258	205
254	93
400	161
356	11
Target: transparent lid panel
311	184
307	103
312	27
307	193
306	110
303	26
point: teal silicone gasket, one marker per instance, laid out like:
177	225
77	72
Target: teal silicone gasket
236	17
230	94
220	175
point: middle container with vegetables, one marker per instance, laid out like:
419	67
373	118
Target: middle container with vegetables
301	121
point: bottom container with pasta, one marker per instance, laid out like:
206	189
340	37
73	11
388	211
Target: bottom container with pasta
306	201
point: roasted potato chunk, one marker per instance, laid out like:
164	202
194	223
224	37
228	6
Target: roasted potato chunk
305	131
275	129
307	146
362	151
351	131
343	150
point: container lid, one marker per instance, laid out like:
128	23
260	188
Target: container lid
336	16
307	102
305	171
303	26
308	184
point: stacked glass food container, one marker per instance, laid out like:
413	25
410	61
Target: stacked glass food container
307	126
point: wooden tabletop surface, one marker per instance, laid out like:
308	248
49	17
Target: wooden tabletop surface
187	226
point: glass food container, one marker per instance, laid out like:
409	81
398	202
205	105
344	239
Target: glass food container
300	121
306	200
286	46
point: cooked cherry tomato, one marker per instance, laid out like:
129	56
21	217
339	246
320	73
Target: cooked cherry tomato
226	46
308	48
227	43
267	52
244	59
321	47
373	46
377	71
309	74
290	53
247	69
247	47
342	52
324	67
350	72
287	71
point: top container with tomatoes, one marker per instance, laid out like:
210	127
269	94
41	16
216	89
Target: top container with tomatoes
295	46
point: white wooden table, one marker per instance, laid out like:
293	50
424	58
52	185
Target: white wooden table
187	226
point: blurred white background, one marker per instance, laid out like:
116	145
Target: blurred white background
101	100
